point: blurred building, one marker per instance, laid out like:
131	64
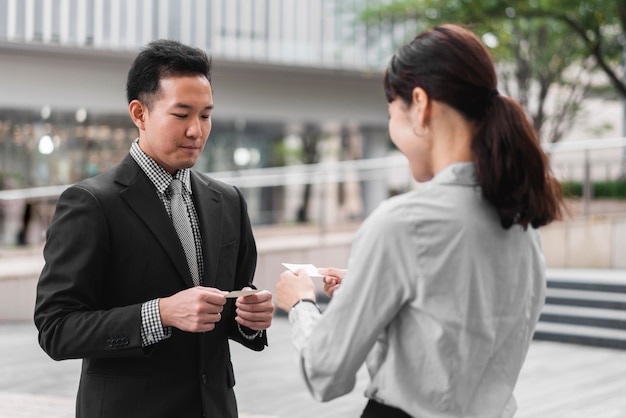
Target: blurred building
285	72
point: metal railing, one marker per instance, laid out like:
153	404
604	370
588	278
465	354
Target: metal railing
328	172
586	147
366	181
333	172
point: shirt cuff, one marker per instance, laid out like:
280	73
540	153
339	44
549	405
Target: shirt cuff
303	317
248	337
152	330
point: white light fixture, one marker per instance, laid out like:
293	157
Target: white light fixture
81	115
46	145
45	112
242	156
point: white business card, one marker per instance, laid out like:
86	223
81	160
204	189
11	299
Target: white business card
310	269
237	293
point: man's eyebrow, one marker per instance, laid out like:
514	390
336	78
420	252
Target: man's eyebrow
186	106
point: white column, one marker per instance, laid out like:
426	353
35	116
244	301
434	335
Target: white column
185	21
229	35
29	24
98	24
327	40
274	31
46	18
115	17
315	30
259	31
132	36
162	16
201	24
215	27
64	22
147	22
245	28
11	19
81	23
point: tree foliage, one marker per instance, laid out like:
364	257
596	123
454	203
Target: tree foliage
549	52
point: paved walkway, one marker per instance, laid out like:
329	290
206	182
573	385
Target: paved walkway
558	381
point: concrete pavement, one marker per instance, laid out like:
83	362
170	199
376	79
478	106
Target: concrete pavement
268	385
558	381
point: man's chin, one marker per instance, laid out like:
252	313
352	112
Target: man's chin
188	162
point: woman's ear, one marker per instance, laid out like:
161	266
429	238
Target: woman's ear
420	99
137	113
420	106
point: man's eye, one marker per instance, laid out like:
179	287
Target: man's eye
179	115
206	117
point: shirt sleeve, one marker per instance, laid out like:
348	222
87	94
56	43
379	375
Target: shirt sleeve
152	330
379	282
302	318
253	334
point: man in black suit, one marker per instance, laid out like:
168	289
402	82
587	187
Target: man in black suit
119	288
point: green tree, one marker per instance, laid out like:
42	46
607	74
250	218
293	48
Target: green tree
549	52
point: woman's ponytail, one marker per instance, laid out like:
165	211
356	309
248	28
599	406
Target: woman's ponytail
513	170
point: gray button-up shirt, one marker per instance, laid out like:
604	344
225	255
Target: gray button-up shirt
440	299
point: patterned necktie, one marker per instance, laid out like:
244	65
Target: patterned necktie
182	224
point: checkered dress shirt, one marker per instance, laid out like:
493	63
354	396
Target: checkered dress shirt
152	330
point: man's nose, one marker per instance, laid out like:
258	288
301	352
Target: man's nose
194	129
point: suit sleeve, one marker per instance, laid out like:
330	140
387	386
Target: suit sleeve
69	310
246	266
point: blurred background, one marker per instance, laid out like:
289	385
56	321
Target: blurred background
300	124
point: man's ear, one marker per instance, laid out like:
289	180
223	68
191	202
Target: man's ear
137	112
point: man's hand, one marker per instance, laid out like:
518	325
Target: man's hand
193	310
255	311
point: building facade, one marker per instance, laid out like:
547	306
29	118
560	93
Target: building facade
284	72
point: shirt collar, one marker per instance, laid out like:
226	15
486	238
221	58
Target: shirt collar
157	174
461	173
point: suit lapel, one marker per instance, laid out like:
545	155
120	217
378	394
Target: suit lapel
143	200
209	207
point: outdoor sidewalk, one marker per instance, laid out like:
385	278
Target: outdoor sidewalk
557	381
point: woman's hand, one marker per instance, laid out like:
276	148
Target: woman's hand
332	279
292	287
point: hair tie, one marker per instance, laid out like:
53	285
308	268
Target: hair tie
493	94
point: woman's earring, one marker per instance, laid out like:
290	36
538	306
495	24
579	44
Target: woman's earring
423	133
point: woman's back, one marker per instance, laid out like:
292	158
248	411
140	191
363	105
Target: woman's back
450	297
479	291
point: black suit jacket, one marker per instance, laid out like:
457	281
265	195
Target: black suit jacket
111	247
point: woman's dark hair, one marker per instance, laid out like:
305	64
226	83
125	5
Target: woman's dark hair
453	66
162	59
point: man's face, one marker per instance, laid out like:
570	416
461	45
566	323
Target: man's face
177	127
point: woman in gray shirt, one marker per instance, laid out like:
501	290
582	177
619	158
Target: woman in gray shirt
445	283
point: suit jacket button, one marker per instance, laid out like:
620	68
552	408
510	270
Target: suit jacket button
204	379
